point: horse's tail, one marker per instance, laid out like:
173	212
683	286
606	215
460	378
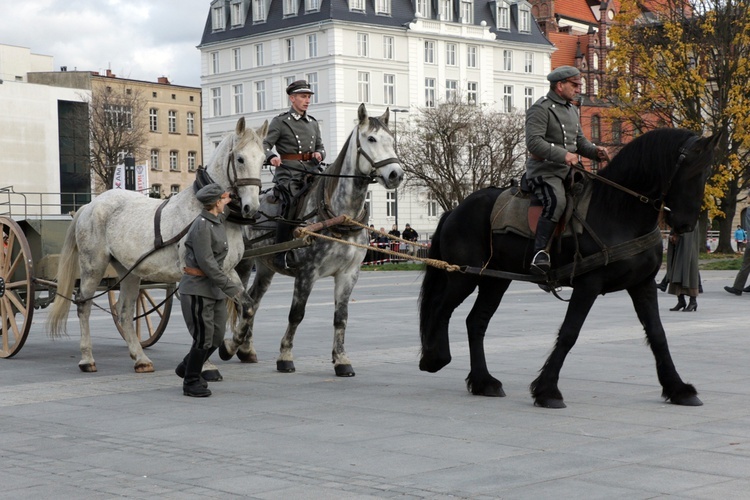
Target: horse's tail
68	270
233	315
433	286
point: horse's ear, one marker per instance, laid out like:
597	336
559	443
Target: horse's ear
384	116
240	129
362	114
263	130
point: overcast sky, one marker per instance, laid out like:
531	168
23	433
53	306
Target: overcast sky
138	39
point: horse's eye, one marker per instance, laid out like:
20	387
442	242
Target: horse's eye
371	139
240	160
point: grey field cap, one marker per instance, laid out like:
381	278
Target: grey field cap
209	193
562	73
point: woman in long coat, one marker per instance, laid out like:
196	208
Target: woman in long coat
682	269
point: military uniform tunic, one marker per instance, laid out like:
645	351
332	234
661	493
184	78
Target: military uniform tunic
552	130
292	133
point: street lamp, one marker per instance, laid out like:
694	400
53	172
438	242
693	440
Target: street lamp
395	112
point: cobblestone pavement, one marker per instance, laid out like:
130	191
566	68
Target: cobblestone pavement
391	431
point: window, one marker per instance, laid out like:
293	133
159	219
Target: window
173	165
423	8
363	41
259	11
387	47
451	90
528	64
216	101
528	97
218	21
238	98
191	161
312	5
260	96
312	81
596	87
155	159
259	54
429	92
290	8
172	121
289	45
383	7
357	5
119	116
472	93
595	60
153	120
524	21
450	54
390	204
237	17
191	123
214	63
312	45
236	58
508	98
432	205
288	80
583	85
174	189
503	16
429	51
617	132
155	191
596	131
368	202
446	10
507	60
363	86
471	56
467	12
389	88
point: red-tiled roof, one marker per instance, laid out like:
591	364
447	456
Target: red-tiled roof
566	48
575	9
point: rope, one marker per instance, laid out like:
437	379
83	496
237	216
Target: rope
353	222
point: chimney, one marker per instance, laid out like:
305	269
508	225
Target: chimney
163	79
110	74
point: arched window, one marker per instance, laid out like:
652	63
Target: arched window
595	60
596	128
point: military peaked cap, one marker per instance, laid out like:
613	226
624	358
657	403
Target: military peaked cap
210	193
299	87
562	73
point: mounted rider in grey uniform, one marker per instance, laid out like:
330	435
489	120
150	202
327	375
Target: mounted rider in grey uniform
299	150
554	140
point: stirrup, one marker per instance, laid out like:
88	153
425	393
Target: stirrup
540	264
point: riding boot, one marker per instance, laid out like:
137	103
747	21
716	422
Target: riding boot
680	303
284	230
693	305
191	385
180	370
540	264
663	285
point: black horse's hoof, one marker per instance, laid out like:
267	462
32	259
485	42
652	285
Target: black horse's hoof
249	357
224	353
687	401
212	376
344	370
285	366
549	403
495	392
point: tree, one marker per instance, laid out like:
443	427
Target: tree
118	125
686	63
455	149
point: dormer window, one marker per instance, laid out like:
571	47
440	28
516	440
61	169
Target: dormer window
383	7
446	10
218	17
524	18
259	11
290	8
423	9
236	13
503	16
357	5
312	5
467	11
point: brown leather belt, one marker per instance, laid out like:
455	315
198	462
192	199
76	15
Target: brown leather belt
299	157
193	271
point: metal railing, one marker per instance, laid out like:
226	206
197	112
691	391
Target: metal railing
32	205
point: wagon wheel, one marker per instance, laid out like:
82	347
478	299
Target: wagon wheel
151	315
16	288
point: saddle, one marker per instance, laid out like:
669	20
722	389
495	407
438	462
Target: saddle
517	209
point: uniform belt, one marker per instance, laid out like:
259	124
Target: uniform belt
193	271
299	157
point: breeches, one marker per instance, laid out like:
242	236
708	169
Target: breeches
293	180
206	319
551	192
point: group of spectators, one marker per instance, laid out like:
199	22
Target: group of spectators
379	239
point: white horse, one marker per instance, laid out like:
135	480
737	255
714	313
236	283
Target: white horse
368	155
119	227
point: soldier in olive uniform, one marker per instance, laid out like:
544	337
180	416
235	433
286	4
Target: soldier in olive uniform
554	140
299	149
204	287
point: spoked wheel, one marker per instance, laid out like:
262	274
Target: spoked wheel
151	313
16	288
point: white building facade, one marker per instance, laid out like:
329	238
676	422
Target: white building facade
397	54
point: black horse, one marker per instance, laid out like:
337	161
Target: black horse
666	167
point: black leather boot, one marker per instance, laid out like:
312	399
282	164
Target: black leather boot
692	306
540	264
180	371
191	384
284	260
680	304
